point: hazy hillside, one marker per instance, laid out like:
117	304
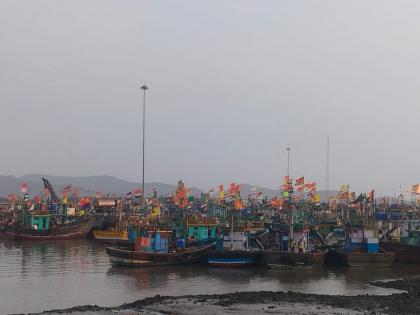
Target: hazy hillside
89	185
109	184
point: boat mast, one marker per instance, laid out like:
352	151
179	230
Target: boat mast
144	88
328	172
289	197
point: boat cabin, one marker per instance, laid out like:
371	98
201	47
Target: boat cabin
362	238
38	222
201	229
153	241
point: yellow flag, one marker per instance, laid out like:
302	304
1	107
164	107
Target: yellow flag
316	198
156	211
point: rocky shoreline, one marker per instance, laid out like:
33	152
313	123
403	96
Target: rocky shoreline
407	302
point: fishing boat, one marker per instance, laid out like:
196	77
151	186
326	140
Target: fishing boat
117	236
57	221
235	259
151	249
407	249
235	248
39	228
361	247
277	259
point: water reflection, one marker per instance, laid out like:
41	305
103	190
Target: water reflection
64	274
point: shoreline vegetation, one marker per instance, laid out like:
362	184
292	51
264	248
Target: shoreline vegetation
407	302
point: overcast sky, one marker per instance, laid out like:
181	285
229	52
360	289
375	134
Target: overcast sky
232	84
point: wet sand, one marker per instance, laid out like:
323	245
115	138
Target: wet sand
407	302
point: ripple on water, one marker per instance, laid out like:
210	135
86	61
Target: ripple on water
39	276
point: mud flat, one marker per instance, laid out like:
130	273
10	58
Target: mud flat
407	302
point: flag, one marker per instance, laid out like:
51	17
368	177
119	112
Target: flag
24	188
344	188
156	211
232	188
98	195
316	198
299	188
11	197
371	195
67	188
238	204
287	184
415	189
300	181
137	192
310	187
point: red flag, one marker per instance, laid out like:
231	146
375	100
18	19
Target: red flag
11	197
24	188
311	187
232	188
300	181
299	188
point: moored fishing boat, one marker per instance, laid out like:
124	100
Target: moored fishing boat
151	249
45	231
235	247
142	259
407	250
277	259
235	259
361	247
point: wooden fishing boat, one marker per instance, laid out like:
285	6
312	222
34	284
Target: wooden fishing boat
65	232
290	260
235	259
355	259
404	253
142	259
406	249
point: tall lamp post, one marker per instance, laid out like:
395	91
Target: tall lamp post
144	88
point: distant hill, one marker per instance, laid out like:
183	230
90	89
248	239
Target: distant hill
87	185
109	185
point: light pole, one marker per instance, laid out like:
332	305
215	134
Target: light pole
288	161
144	88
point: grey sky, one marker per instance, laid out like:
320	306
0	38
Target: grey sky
232	84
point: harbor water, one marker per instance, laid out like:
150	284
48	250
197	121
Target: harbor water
43	276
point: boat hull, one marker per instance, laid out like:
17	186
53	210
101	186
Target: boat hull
404	253
235	259
126	257
367	259
62	233
287	260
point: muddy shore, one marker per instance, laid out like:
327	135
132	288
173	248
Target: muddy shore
407	302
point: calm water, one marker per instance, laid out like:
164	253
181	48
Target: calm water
41	276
